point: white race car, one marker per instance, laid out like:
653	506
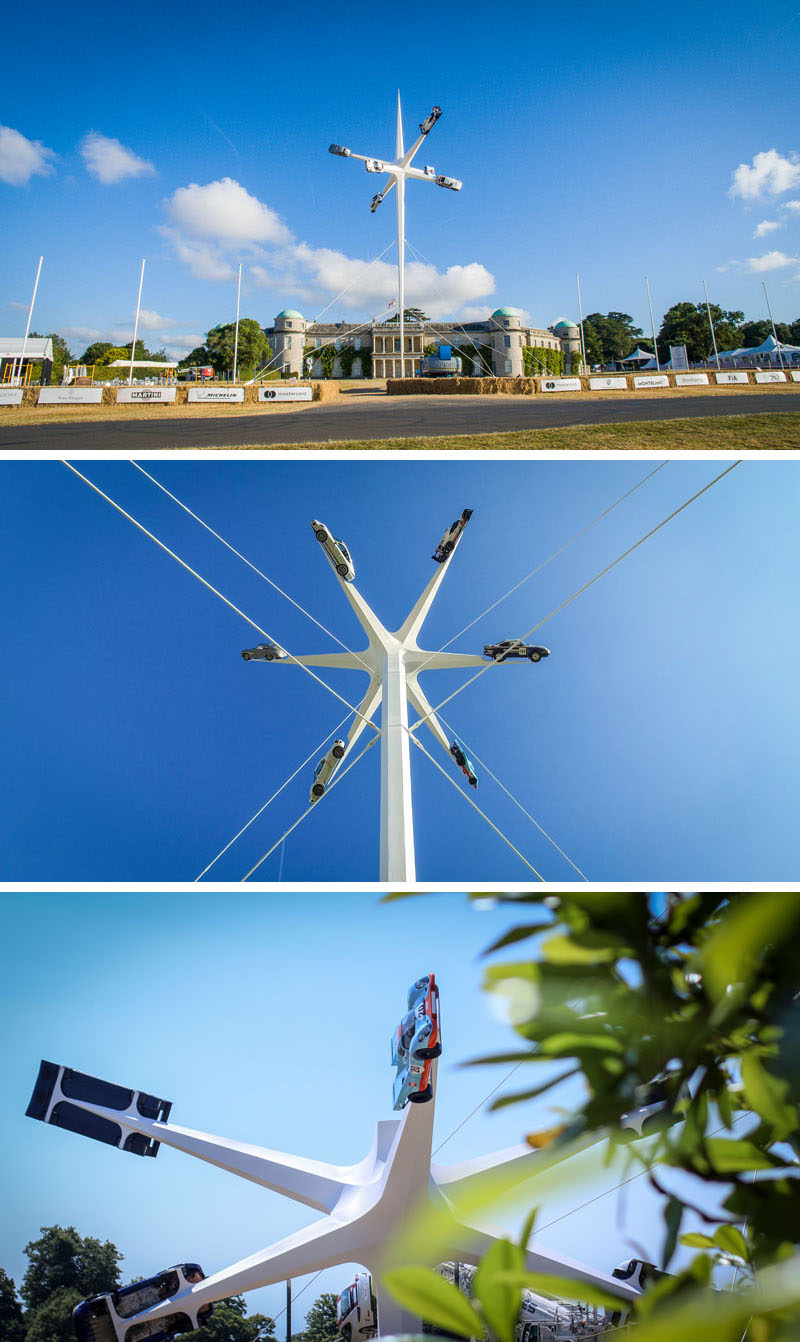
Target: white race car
325	768
337	551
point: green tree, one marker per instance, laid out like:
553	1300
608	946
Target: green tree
230	1322
95	353
411	315
691	1000
52	1321
62	1259
254	349
12	1328
321	1319
198	357
612	333
687	324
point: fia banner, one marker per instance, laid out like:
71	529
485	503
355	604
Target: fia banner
228	395
770	375
608	384
145	395
691	379
561	384
645	380
732	377
285	393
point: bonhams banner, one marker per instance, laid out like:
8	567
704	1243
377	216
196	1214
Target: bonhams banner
285	393
70	396
146	395
691	379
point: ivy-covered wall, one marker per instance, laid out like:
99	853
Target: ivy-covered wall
537	361
328	355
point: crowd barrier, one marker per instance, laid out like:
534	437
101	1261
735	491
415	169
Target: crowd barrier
269	393
605	382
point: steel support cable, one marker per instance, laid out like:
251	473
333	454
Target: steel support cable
349	286
213	589
475	806
262	809
517	803
246	561
361	327
460	327
547	561
295	1297
312	807
474	1111
557	610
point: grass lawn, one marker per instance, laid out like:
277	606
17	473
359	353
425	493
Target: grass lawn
729	433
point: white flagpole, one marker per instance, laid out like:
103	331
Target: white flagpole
772	319
236	337
652	323
136	324
711	324
14	374
580	318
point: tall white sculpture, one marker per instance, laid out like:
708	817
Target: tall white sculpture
399	169
393	662
364	1206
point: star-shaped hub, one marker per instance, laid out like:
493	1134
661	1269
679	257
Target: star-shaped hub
393	661
365	1206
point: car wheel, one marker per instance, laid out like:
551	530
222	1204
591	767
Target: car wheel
246	656
427	1053
536	656
318	789
269	656
338	752
421	1096
342	570
321	536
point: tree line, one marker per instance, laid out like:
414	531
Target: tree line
65	1268
612	336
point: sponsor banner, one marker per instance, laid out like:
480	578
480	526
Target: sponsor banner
691	379
679	357
732	377
795	375
233	395
70	396
285	393
145	395
645	380
770	375
561	384
10	395
608	384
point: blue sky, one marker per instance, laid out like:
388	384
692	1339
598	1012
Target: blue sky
657	743
603	146
265	1020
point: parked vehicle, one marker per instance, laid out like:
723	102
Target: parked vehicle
464	762
451	537
337	551
111	1317
514	647
357	1309
264	652
325	768
415	1043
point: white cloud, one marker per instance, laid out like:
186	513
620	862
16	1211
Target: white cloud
21	159
19	307
151	321
328	272
202	259
770	174
225	211
182	344
109	161
769	261
793	206
476	312
767	226
87	334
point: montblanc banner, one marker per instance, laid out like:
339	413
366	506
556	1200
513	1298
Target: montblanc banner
646	380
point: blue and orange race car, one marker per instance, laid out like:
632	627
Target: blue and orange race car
415	1043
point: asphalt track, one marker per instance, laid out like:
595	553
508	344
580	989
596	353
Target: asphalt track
390	417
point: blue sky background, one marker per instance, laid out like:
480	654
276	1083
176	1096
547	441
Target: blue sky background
656	744
600	145
265	1020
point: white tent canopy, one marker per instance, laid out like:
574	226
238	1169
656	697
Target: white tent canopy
141	363
639	356
36	347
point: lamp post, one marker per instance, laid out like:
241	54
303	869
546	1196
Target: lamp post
398	170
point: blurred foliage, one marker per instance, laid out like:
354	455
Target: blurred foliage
680	1014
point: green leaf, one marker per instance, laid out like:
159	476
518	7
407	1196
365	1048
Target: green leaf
566	1288
673	1215
570	1042
751	924
734	1157
731	1240
597	948
766	1094
694	1240
518	934
424	1292
499	1299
